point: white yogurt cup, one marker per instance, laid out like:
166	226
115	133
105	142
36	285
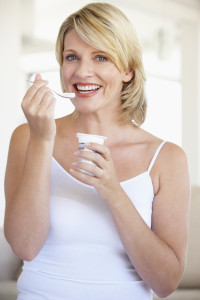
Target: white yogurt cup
88	138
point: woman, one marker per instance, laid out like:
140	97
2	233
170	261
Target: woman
122	232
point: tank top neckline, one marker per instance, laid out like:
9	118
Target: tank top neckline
87	185
145	173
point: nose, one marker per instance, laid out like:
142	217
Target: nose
84	69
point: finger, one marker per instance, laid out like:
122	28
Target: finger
52	104
92	156
32	106
37	77
31	93
83	177
45	108
46	100
90	168
41	94
101	149
51	107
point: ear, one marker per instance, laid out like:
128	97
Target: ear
128	75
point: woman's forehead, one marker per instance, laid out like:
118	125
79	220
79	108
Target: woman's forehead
72	40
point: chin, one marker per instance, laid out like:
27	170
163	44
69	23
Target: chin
86	109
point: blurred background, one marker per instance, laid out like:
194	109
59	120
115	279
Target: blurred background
169	31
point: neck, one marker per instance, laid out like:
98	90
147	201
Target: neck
110	126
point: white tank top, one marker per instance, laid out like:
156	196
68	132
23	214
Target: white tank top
83	244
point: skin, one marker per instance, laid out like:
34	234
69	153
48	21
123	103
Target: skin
159	256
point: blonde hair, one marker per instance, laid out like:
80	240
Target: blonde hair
106	28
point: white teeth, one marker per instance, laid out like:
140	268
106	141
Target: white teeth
87	87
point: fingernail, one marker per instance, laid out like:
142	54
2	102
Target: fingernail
87	144
76	153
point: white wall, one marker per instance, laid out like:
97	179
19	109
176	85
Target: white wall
9	75
190	97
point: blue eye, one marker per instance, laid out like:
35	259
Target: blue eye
71	57
101	58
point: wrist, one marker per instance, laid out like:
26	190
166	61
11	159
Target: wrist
115	197
40	144
42	140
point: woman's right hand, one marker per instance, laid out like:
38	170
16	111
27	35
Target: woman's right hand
38	106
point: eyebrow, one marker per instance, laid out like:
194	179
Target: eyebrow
74	51
69	50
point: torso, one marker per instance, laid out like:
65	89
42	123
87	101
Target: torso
131	156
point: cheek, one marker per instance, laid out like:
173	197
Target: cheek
113	78
115	88
65	77
65	74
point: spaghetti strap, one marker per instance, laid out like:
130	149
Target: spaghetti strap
155	156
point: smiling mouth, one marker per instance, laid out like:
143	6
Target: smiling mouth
85	89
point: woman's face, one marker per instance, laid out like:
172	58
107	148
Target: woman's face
91	75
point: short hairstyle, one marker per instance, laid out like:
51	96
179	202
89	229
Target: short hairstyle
106	28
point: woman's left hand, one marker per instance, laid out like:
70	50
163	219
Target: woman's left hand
104	178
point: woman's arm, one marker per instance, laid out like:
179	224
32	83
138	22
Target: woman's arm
158	255
28	174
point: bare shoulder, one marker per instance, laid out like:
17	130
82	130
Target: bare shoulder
173	149
171	165
17	148
171	156
171	171
20	138
21	132
170	153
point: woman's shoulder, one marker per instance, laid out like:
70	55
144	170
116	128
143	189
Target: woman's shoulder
170	162
21	130
20	138
171	155
169	149
170	158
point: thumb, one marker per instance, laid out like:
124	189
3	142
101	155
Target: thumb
38	77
